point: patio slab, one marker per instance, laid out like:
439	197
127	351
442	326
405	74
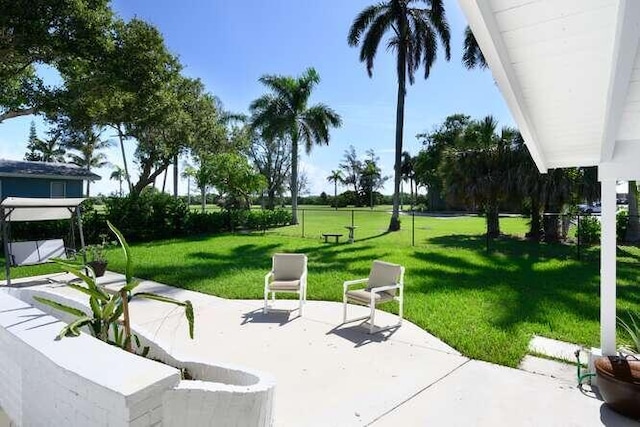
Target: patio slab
332	374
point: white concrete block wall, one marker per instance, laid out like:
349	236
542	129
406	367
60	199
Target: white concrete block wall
74	381
222	395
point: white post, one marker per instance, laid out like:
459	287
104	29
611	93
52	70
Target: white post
608	269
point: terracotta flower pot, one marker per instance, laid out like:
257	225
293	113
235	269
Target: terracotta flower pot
618	379
99	267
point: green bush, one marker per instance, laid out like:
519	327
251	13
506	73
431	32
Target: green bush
622	222
589	231
149	216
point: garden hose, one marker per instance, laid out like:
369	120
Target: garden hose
582	376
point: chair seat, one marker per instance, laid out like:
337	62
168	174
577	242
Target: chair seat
284	285
364	297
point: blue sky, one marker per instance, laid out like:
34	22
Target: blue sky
230	44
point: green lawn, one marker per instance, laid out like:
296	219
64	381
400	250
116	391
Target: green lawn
485	304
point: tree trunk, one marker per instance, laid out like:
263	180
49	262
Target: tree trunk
203	194
294	178
164	180
16	113
175	176
271	199
394	224
551	225
535	228
493	220
120	183
335	194
124	158
88	187
633	228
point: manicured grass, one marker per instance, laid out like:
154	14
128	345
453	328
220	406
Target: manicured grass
485	304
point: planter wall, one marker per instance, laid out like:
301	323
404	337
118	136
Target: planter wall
73	382
222	394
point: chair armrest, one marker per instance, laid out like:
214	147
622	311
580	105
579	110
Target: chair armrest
350	283
385	288
267	277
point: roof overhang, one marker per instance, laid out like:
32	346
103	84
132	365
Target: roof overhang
569	73
90	177
18	209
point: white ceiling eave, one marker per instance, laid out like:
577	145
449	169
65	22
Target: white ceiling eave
571	101
482	22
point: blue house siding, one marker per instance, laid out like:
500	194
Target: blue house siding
37	187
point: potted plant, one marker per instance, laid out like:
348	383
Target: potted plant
97	260
618	377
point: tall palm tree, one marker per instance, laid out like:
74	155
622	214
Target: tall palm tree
285	111
119	175
414	38
335	177
85	146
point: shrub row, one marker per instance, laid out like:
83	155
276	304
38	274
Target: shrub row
150	216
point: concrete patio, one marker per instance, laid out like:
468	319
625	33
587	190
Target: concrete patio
339	375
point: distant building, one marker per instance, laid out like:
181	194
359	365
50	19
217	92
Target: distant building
42	180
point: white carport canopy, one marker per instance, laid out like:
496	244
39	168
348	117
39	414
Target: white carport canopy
18	209
569	71
31	209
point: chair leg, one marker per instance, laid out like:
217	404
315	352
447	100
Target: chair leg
300	294
265	310
401	308
372	318
344	309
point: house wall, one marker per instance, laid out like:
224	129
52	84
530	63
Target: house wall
37	187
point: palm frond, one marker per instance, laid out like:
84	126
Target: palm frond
472	56
362	22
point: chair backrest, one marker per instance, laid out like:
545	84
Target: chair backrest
289	266
385	274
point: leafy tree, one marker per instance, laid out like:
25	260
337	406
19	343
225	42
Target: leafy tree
285	111
51	32
48	150
352	168
235	179
33	144
272	158
371	178
428	160
335	177
83	149
415	32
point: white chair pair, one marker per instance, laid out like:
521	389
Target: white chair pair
384	284
288	274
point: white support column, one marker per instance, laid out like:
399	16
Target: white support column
608	269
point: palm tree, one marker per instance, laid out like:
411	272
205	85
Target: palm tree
336	177
414	35
85	145
49	150
119	175
285	111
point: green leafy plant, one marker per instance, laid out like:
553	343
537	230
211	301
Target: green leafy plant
107	307
632	327
589	231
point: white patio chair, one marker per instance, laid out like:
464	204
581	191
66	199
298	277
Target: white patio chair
384	284
288	274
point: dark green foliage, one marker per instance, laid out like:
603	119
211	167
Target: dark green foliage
622	222
589	231
152	215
